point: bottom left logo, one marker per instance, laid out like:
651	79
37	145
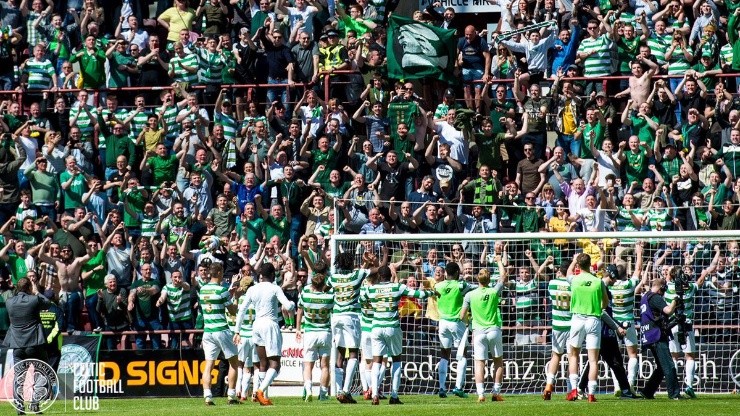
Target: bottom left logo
35	386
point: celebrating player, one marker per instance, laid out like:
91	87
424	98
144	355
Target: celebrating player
588	299
483	305
314	317
623	306
214	299
266	336
345	319
559	290
450	293
386	334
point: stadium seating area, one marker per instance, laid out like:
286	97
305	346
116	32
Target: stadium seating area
138	148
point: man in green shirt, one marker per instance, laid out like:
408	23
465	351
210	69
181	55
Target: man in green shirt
483	305
92	64
142	300
162	165
93	278
450	294
588	299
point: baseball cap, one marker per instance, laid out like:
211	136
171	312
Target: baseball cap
601	94
573	67
243	31
449	92
333	33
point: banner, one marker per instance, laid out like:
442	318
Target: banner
463	6
717	370
418	50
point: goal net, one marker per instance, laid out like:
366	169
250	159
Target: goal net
709	259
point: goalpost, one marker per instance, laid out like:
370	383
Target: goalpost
531	260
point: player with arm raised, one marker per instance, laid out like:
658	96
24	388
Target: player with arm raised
450	293
265	297
214	299
689	294
589	297
483	306
345	320
314	318
386	334
559	291
623	307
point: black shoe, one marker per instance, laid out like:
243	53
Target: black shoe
349	399
395	400
642	394
233	402
34	409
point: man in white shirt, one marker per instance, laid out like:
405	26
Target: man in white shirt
268	341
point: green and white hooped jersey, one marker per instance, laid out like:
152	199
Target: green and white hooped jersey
526	295
559	290
178	303
623	299
245	331
213	300
317	307
346	288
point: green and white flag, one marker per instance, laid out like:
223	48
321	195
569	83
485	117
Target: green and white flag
418	50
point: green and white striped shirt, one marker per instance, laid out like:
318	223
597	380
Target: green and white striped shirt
660	220
598	64
317	307
138	123
178	303
245	331
366	318
384	298
213	300
182	75
659	46
83	121
210	66
526	295
623	299
559	290
228	122
39	74
725	55
347	290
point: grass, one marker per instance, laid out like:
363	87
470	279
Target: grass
529	405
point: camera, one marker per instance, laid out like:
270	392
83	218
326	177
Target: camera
681	285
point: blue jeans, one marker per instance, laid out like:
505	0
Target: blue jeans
296	225
664	367
569	144
273	92
673	82
178	326
91	303
71	305
150	324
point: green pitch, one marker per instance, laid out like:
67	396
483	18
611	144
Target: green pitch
528	405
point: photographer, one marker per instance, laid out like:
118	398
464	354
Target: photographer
655	332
